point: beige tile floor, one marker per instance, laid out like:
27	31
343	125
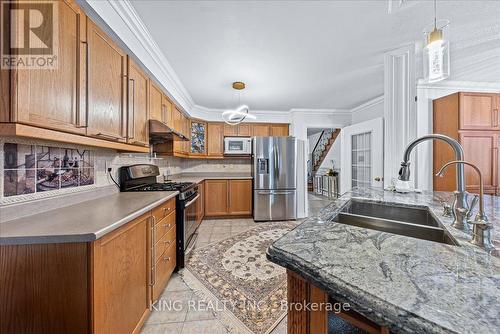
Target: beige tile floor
183	317
181	314
317	202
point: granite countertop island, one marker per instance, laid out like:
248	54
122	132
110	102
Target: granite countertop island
82	222
408	285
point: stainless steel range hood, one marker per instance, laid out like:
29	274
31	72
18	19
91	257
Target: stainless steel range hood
160	132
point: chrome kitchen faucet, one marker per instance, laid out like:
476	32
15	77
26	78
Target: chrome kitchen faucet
481	231
460	205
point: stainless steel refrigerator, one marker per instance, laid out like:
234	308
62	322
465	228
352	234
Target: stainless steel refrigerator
274	174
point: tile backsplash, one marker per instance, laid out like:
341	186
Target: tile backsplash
33	168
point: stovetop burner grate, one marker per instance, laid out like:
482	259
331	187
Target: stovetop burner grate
170	186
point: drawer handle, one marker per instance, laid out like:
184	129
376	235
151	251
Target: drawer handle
166	258
165	210
167	243
167	225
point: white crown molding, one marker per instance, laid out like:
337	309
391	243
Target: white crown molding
321	111
283	112
126	12
130	17
368	104
472	86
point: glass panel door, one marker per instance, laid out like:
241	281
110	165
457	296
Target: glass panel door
361	170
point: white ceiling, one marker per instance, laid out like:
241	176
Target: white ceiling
307	54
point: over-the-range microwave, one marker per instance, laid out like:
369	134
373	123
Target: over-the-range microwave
238	145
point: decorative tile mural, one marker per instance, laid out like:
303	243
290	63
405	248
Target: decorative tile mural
198	137
30	169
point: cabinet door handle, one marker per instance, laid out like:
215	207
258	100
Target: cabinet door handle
152	280
82	103
131	126
167	225
167	258
495	166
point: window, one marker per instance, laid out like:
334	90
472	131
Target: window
361	160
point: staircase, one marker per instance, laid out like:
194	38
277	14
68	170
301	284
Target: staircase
322	147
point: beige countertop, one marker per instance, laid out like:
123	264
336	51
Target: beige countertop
82	222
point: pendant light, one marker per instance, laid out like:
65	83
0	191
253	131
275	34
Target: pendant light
436	55
238	115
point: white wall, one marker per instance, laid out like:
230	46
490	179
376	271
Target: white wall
369	110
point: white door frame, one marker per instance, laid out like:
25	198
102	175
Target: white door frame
376	127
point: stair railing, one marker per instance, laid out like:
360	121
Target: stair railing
322	143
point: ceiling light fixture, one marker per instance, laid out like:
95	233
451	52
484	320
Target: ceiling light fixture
436	54
238	115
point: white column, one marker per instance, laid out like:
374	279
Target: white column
400	123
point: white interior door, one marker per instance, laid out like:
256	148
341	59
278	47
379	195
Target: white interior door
362	155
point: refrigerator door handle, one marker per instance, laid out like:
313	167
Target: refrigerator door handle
276	192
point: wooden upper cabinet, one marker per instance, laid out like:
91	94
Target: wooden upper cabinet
481	149
106	87
240	197
215	139
479	111
217	201
120	278
138	114
56	99
168	117
261	130
279	130
245	130
230	130
177	119
155	102
239	130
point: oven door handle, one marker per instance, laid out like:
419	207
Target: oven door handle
192	201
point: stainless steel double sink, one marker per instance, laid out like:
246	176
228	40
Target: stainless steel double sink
410	221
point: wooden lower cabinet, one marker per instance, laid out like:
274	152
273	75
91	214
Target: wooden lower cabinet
105	286
302	320
163	248
216	198
240	197
120	278
228	198
37	300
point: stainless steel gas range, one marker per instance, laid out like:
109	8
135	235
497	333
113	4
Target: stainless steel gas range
143	178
